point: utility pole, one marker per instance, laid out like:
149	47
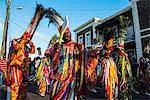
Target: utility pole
4	40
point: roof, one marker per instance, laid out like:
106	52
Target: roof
95	19
117	14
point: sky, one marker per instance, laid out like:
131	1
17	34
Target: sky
78	11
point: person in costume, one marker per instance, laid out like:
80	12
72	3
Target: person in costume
123	64
108	72
19	67
43	75
65	67
90	70
43	72
19	52
65	63
144	73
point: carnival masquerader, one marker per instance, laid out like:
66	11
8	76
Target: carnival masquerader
19	52
123	64
43	72
90	70
65	62
22	93
19	69
43	75
65	69
108	71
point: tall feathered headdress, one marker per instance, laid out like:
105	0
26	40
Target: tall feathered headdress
108	35
58	21
123	26
39	13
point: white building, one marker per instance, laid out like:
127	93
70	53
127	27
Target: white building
138	35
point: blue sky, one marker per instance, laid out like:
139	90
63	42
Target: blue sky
79	12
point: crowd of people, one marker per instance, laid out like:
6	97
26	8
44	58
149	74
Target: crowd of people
141	74
55	80
68	70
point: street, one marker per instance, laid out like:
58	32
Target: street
32	94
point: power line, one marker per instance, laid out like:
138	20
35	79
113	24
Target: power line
39	26
25	22
18	25
70	9
25	30
79	9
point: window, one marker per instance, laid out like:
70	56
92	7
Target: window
80	39
130	33
87	39
116	35
100	37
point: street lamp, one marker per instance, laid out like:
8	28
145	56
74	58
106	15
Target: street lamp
19	8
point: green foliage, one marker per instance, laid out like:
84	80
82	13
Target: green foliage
124	22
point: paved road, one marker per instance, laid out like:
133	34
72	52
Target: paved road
32	95
92	96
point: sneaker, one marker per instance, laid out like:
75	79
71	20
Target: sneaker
42	94
135	91
82	97
2	86
93	90
146	93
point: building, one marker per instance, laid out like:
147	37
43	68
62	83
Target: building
138	32
113	22
86	32
143	9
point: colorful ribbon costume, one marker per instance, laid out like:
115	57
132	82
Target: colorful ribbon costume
64	75
19	53
90	70
43	73
65	63
123	63
108	69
